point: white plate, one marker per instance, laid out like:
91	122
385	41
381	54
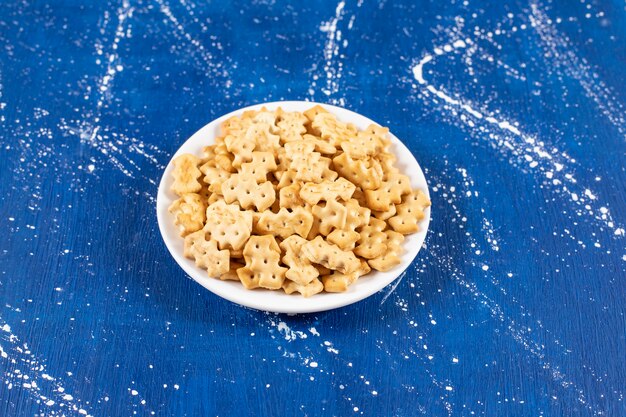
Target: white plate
278	301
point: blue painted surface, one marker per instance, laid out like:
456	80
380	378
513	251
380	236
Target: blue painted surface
515	307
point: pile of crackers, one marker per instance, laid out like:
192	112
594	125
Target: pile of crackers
295	201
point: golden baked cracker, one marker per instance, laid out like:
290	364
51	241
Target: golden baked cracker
228	225
315	229
241	147
314	111
289	196
332	130
282	164
341	188
359	196
338	282
231	274
331	256
390	192
223	158
322	270
249	279
286	179
248	193
357	215
261	135
189	213
186	174
371	243
290	125
331	215
297	148
381	133
206	253
362	145
384	215
320	145
345	239
205	193
264	116
300	271
215	197
391	257
363	173
233	123
387	161
214	177
306	290
262	255
208	153
410	212
261	164
284	223
311	167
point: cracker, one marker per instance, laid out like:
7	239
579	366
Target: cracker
356	215
409	213
285	223
384	215
314	111
306	290
262	269
363	145
231	274
331	215
215	197
363	173
208	153
338	282
387	161
331	256
228	225
248	193
223	158
381	133
345	239
189	213
313	193
186	174
320	145
241	147
290	125
311	167
261	164
214	177
372	240
300	271
298	148
289	196
315	229
332	130
322	269
206	253
391	257
261	134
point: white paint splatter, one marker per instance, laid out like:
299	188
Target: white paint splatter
549	162
34	371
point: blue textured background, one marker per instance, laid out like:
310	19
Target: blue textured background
515	307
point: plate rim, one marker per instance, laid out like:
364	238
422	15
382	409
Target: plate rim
307	305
